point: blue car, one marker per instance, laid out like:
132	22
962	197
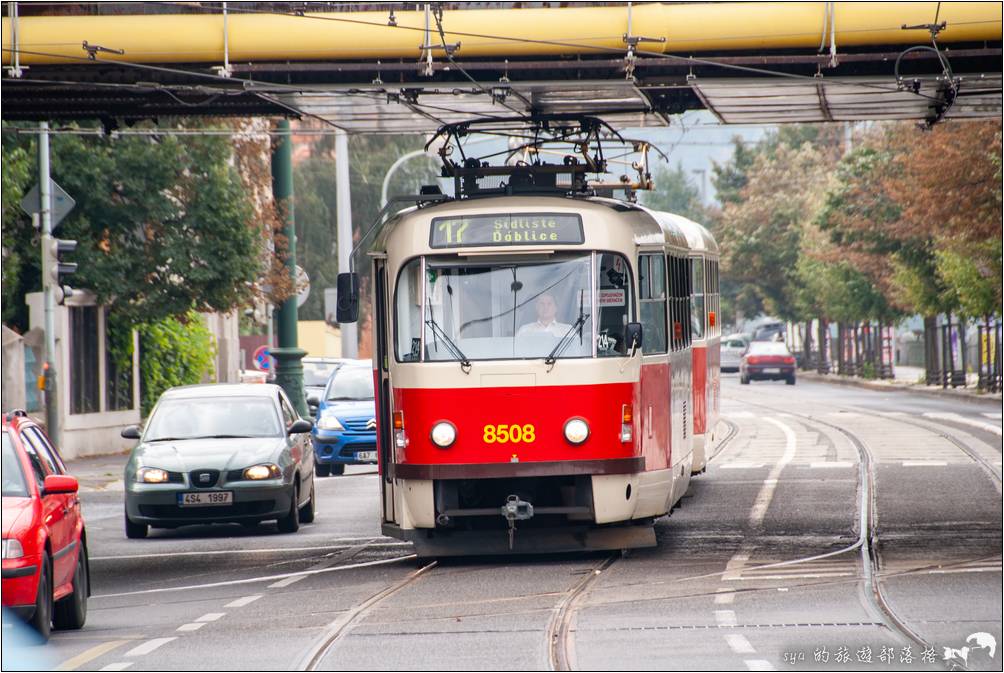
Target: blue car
345	432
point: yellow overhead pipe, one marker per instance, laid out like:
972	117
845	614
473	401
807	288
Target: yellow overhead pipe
686	28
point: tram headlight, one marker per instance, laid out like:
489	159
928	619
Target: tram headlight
444	434
576	430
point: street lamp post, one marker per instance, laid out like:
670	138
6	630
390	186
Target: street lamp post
288	354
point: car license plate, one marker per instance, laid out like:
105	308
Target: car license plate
207	499
366	455
772	371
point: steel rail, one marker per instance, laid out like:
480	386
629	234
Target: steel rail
560	637
868	534
347	621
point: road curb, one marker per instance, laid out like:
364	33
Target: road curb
885	386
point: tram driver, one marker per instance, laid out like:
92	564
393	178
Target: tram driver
547	310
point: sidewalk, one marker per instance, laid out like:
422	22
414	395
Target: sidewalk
908	379
99	473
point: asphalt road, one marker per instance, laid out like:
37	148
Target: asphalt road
839	529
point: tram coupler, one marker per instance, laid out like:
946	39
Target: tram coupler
515	510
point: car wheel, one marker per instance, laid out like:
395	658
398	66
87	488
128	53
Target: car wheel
308	510
322	469
790	380
291	522
135	531
745	380
338	468
71	612
41	621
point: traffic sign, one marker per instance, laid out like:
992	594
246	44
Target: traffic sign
262	359
61	202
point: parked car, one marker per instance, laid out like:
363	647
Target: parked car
767	360
220	453
345	433
45	569
733	347
316	372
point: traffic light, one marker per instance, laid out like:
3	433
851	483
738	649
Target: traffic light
54	268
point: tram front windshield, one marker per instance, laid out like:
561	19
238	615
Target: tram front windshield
511	310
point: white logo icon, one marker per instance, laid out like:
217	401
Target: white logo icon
975	641
371	424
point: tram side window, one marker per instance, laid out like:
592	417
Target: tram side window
679	315
408	337
688	302
613	291
652	299
697	312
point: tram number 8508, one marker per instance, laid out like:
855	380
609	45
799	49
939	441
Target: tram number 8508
506	434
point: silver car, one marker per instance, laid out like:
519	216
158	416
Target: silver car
217	454
733	348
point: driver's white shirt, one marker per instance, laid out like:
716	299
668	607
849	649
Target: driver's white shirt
554	328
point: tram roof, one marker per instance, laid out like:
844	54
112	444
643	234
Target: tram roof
699	239
648	227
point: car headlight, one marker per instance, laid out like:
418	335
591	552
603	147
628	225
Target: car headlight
329	423
576	431
152	475
12	549
263	471
444	434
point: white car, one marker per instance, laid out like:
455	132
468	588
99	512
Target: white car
733	348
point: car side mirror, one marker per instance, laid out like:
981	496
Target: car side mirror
314	401
347	308
633	335
130	432
300	426
59	483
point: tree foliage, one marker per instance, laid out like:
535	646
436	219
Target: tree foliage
174	352
908	222
676	193
163	223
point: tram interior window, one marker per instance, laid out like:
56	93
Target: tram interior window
613	290
409	313
675	337
652	298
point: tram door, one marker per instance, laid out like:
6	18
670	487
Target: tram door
383	392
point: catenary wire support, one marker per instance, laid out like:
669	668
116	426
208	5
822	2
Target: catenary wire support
225	69
948	83
426	46
93	50
632	42
15	69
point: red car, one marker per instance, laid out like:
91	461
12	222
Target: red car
767	360
45	571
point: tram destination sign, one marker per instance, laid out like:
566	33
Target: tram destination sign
468	231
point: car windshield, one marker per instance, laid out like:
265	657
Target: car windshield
768	348
14	484
512	310
213	417
317	373
736	344
351	383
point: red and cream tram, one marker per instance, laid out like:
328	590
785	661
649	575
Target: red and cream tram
707	337
533	360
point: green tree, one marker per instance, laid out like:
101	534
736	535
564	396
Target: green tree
163	223
676	193
16	178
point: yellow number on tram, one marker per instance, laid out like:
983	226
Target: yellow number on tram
509	434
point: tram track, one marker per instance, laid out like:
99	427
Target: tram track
349	619
868	541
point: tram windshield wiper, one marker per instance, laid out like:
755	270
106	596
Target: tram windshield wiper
564	342
451	346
